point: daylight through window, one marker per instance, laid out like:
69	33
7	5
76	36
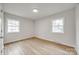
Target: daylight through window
13	26
57	26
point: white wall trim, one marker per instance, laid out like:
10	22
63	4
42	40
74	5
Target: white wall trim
23	38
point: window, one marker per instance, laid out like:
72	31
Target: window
57	26
13	26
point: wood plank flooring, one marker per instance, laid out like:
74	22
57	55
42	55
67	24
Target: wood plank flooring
34	46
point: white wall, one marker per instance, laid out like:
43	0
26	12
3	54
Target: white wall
43	28
77	27
26	28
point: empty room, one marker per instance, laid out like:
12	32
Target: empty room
39	28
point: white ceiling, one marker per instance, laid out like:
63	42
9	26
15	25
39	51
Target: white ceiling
45	9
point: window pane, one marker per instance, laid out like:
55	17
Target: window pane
13	26
57	26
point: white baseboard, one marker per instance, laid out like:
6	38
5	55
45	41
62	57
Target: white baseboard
28	36
44	38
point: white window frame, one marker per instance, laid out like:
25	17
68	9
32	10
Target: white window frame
13	26
58	26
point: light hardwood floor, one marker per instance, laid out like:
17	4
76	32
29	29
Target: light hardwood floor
34	46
